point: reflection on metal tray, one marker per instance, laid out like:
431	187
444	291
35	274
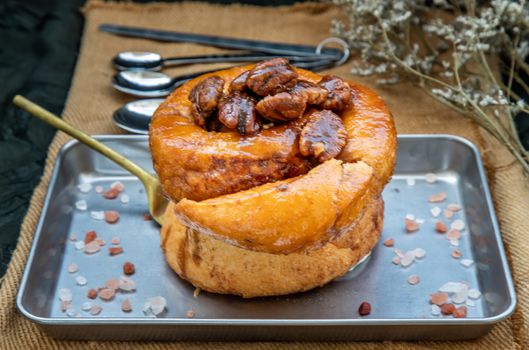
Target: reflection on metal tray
400	310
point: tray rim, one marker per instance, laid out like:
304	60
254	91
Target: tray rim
104	321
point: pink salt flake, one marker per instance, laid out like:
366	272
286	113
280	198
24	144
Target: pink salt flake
436	198
411	225
453	234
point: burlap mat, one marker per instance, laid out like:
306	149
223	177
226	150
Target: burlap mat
92	100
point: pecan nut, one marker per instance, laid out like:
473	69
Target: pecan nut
323	136
312	93
282	107
237	111
205	97
271	77
239	83
340	93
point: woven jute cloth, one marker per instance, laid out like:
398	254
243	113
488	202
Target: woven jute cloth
92	100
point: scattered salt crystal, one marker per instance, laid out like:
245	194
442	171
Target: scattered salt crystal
453	287
157	305
410	217
407	259
118	185
99	189
430	178
454	242
81	205
467	262
81	280
395	260
410	181
100	241
65	294
419	253
453	234
92	247
435	211
71	312
73	237
126	284
448	213
389	242
79	245
124	198
65	305
436	310
95	310
115	240
97	215
87	305
106	294
84	187
438	197
419	221
411	225
454	207
458	225
399	252
474	294
470	303
413	279
112	283
460	297
439	298
190	313
126	306
456	254
72	268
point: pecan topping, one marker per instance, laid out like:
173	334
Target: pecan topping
323	137
312	93
339	97
239	83
237	111
205	97
281	107
271	77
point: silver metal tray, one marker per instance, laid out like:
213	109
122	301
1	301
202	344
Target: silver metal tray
400	310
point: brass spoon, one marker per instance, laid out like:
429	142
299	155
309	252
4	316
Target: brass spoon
157	202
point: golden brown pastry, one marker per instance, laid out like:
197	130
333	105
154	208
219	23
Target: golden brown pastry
269	209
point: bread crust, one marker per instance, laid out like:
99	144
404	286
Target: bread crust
219	267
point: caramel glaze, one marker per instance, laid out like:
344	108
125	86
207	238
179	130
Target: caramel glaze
195	165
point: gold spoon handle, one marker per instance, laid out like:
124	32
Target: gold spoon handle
88	140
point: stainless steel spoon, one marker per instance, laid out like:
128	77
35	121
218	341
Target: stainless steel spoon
135	116
157	84
136	60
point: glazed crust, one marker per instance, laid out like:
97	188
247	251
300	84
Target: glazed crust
219	267
196	164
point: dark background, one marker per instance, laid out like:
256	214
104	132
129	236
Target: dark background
39	44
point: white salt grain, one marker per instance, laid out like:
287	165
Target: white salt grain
407	259
467	262
65	294
410	216
419	253
81	280
84	187
454	242
95	310
453	287
79	245
97	215
435	211
430	178
474	294
72	268
154	306
396	260
436	310
87	305
419	221
99	189
414	279
410	182
92	247
399	252
470	303
460	297
124	198
71	312
457	225
126	284
81	205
